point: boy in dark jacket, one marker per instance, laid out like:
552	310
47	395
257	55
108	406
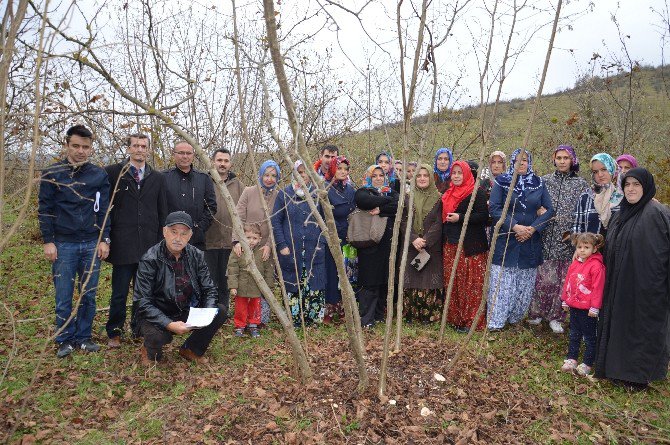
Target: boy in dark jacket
244	288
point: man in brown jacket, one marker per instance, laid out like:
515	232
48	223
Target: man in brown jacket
218	239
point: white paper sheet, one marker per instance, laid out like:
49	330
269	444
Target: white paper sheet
201	317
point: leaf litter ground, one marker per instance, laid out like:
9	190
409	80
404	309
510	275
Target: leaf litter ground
506	389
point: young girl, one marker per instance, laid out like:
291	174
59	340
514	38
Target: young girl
583	295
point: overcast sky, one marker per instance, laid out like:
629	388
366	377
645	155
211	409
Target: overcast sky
591	32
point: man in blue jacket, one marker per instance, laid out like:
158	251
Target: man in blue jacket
73	202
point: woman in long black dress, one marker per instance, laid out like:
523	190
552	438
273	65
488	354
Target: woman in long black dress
634	326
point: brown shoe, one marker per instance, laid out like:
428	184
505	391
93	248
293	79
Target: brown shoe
144	357
191	356
114	342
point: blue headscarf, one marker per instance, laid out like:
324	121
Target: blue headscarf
391	177
440	174
261	171
613	169
607	161
528	181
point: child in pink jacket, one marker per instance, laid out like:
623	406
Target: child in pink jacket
583	295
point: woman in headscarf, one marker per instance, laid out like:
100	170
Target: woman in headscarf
565	186
496	167
633	345
250	209
386	162
341	197
626	162
422	295
301	249
518	249
373	262
469	279
597	204
444	158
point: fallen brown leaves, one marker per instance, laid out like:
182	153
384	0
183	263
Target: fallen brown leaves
257	399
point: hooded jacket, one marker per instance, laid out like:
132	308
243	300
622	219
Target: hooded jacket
585	283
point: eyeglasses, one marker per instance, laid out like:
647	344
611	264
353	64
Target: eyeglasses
184	153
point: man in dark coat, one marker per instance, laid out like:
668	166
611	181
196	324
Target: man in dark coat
172	278
73	202
139	208
219	237
191	191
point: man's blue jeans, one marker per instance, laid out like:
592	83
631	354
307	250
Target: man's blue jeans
74	261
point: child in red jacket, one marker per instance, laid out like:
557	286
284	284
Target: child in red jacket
583	295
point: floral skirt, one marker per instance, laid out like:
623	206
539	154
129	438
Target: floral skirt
466	294
422	305
546	302
312	302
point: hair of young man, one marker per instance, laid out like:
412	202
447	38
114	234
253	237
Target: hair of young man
136	136
330	148
224	151
78	130
252	228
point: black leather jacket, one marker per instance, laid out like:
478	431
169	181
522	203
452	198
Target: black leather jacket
154	294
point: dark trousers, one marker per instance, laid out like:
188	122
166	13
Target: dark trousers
217	263
582	326
372	303
122	275
155	337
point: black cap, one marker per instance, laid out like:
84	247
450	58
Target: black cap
179	218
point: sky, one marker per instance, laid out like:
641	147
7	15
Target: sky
586	28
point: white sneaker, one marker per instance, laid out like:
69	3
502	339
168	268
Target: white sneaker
535	321
556	326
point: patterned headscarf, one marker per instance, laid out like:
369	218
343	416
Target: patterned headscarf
391	174
629	158
440	174
261	171
528	181
334	164
424	199
368	179
608	195
574	167
500	154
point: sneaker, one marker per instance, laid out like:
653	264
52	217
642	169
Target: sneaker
89	346
254	332
64	349
556	326
535	321
583	370
569	365
239	332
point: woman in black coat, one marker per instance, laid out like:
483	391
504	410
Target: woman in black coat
373	262
634	326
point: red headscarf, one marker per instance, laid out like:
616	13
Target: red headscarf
455	194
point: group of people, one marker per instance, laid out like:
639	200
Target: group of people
171	233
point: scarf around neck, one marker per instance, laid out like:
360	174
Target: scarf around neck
457	193
424	199
526	182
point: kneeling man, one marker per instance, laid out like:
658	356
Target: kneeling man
172	277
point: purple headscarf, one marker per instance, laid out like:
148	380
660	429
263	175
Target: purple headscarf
629	158
573	155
